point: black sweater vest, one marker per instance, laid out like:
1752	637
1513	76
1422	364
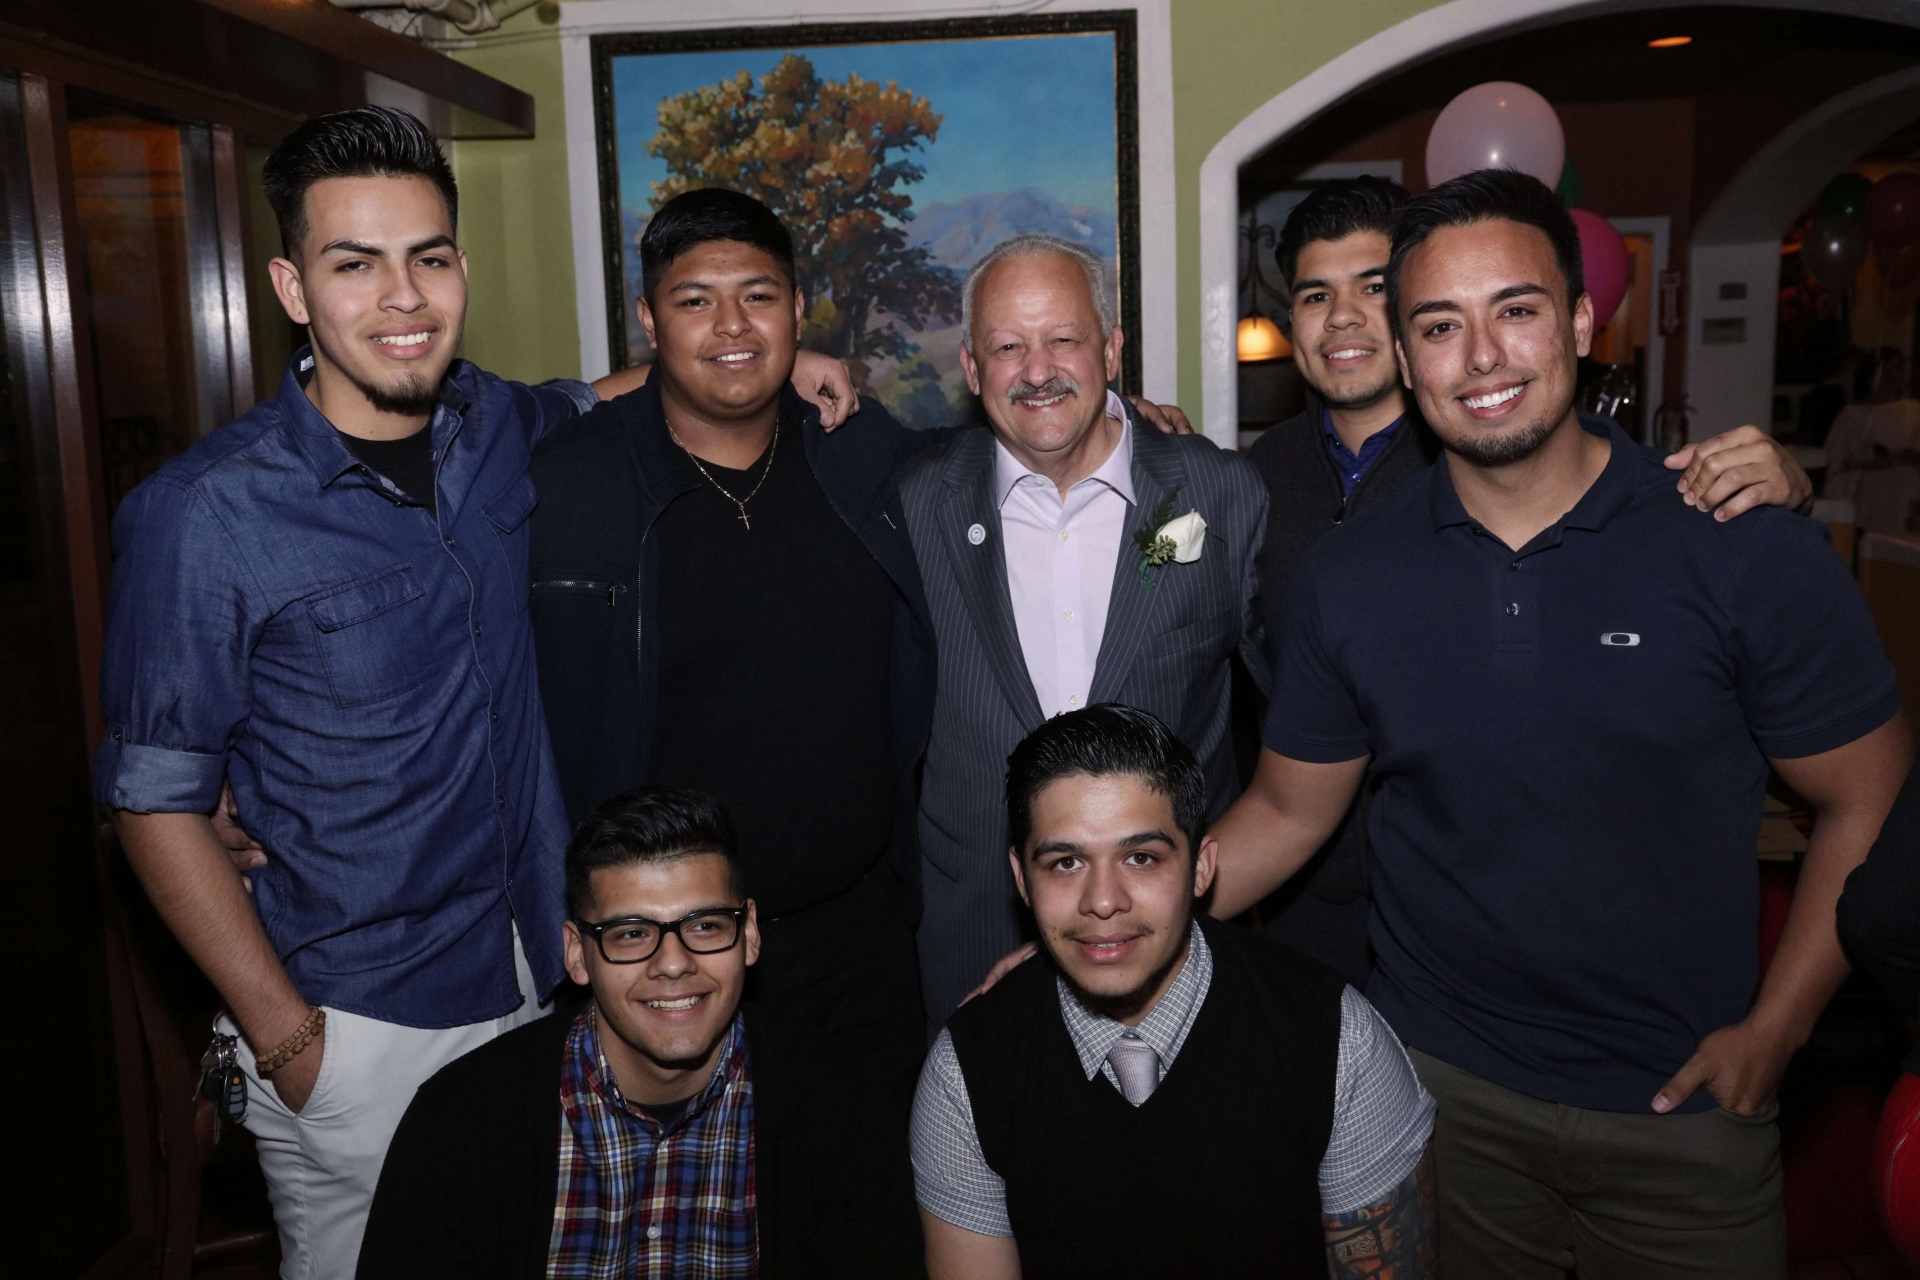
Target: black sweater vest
1217	1174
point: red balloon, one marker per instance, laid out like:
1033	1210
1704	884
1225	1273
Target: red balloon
1893	210
1605	262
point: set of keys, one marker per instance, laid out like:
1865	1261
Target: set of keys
223	1083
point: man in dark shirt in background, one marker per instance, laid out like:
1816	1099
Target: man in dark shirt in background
1569	688
724	598
1360	438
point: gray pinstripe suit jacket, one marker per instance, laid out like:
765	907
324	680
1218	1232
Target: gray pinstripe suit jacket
1166	650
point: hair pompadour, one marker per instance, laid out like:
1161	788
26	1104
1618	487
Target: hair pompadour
706	215
1100	741
1482	196
648	825
1335	210
364	142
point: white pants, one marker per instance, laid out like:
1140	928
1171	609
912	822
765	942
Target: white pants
322	1165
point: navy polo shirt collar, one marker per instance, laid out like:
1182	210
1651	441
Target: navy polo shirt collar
1352	466
1611	490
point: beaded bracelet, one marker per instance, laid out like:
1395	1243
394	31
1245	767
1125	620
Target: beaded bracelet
292	1047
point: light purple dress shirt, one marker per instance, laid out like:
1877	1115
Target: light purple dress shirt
1061	554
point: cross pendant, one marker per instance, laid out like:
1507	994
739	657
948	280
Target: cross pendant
745	521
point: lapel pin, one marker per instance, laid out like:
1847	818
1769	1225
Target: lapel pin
977	534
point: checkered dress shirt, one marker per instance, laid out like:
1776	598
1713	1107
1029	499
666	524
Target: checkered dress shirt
1382	1118
637	1200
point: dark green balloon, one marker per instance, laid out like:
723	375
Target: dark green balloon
1568	188
1846	195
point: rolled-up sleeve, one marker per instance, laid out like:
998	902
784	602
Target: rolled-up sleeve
1382	1117
174	676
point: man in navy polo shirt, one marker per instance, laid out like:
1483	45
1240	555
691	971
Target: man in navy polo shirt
1356	442
1569	687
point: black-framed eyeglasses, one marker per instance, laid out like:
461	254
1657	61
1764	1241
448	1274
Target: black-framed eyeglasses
631	939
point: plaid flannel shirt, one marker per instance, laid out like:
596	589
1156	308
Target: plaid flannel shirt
637	1200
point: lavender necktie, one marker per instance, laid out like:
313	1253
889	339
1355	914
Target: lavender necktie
1138	1067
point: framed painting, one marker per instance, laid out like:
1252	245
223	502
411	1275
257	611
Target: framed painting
897	153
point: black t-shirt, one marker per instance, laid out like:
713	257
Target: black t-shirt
667	1113
408	462
774	669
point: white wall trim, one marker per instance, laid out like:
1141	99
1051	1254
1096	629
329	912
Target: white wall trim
1416	39
1159	283
1784	175
1737	239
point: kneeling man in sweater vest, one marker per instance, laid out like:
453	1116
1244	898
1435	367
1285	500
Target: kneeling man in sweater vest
1160	1094
663	1133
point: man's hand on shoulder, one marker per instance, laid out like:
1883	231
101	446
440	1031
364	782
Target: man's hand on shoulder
1005	965
621	381
826	384
1167	417
1739	470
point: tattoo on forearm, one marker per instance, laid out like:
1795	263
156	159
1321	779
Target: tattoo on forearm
1391	1239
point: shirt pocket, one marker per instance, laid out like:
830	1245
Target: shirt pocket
374	642
507	512
1216	631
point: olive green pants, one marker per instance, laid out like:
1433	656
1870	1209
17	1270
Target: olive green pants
1533	1190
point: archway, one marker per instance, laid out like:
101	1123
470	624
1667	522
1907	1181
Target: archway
1418	39
1736	245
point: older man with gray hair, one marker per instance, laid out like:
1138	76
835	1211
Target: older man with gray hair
1071	555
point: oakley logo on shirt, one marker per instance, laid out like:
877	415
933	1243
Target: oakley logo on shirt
1620	639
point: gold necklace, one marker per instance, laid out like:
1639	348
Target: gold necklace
738	502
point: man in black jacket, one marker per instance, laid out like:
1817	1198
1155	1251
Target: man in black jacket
663	1132
724	598
1361	438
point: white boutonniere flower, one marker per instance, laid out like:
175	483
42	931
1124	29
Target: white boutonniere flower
1169	539
1188	535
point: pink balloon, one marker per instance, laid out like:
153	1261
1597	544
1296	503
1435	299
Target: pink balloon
1893	210
1497	125
1605	263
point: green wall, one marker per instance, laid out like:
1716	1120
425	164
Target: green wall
515	219
1229	56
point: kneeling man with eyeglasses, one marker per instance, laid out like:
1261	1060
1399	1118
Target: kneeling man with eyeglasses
663	1132
1162	1094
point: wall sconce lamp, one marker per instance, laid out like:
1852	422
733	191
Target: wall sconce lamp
1258	337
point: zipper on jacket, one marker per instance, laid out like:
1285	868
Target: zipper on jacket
613	589
640	627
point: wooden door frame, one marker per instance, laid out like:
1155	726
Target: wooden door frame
70	356
70	348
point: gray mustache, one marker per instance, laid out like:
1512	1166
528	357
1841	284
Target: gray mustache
1059	384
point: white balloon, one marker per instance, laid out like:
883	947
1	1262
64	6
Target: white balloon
1497	125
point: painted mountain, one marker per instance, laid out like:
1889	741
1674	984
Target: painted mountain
959	234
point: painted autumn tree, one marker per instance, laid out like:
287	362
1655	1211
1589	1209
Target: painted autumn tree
830	158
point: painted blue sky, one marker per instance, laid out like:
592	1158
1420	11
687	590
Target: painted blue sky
1020	111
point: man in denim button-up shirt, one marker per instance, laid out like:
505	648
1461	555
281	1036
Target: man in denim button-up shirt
325	602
